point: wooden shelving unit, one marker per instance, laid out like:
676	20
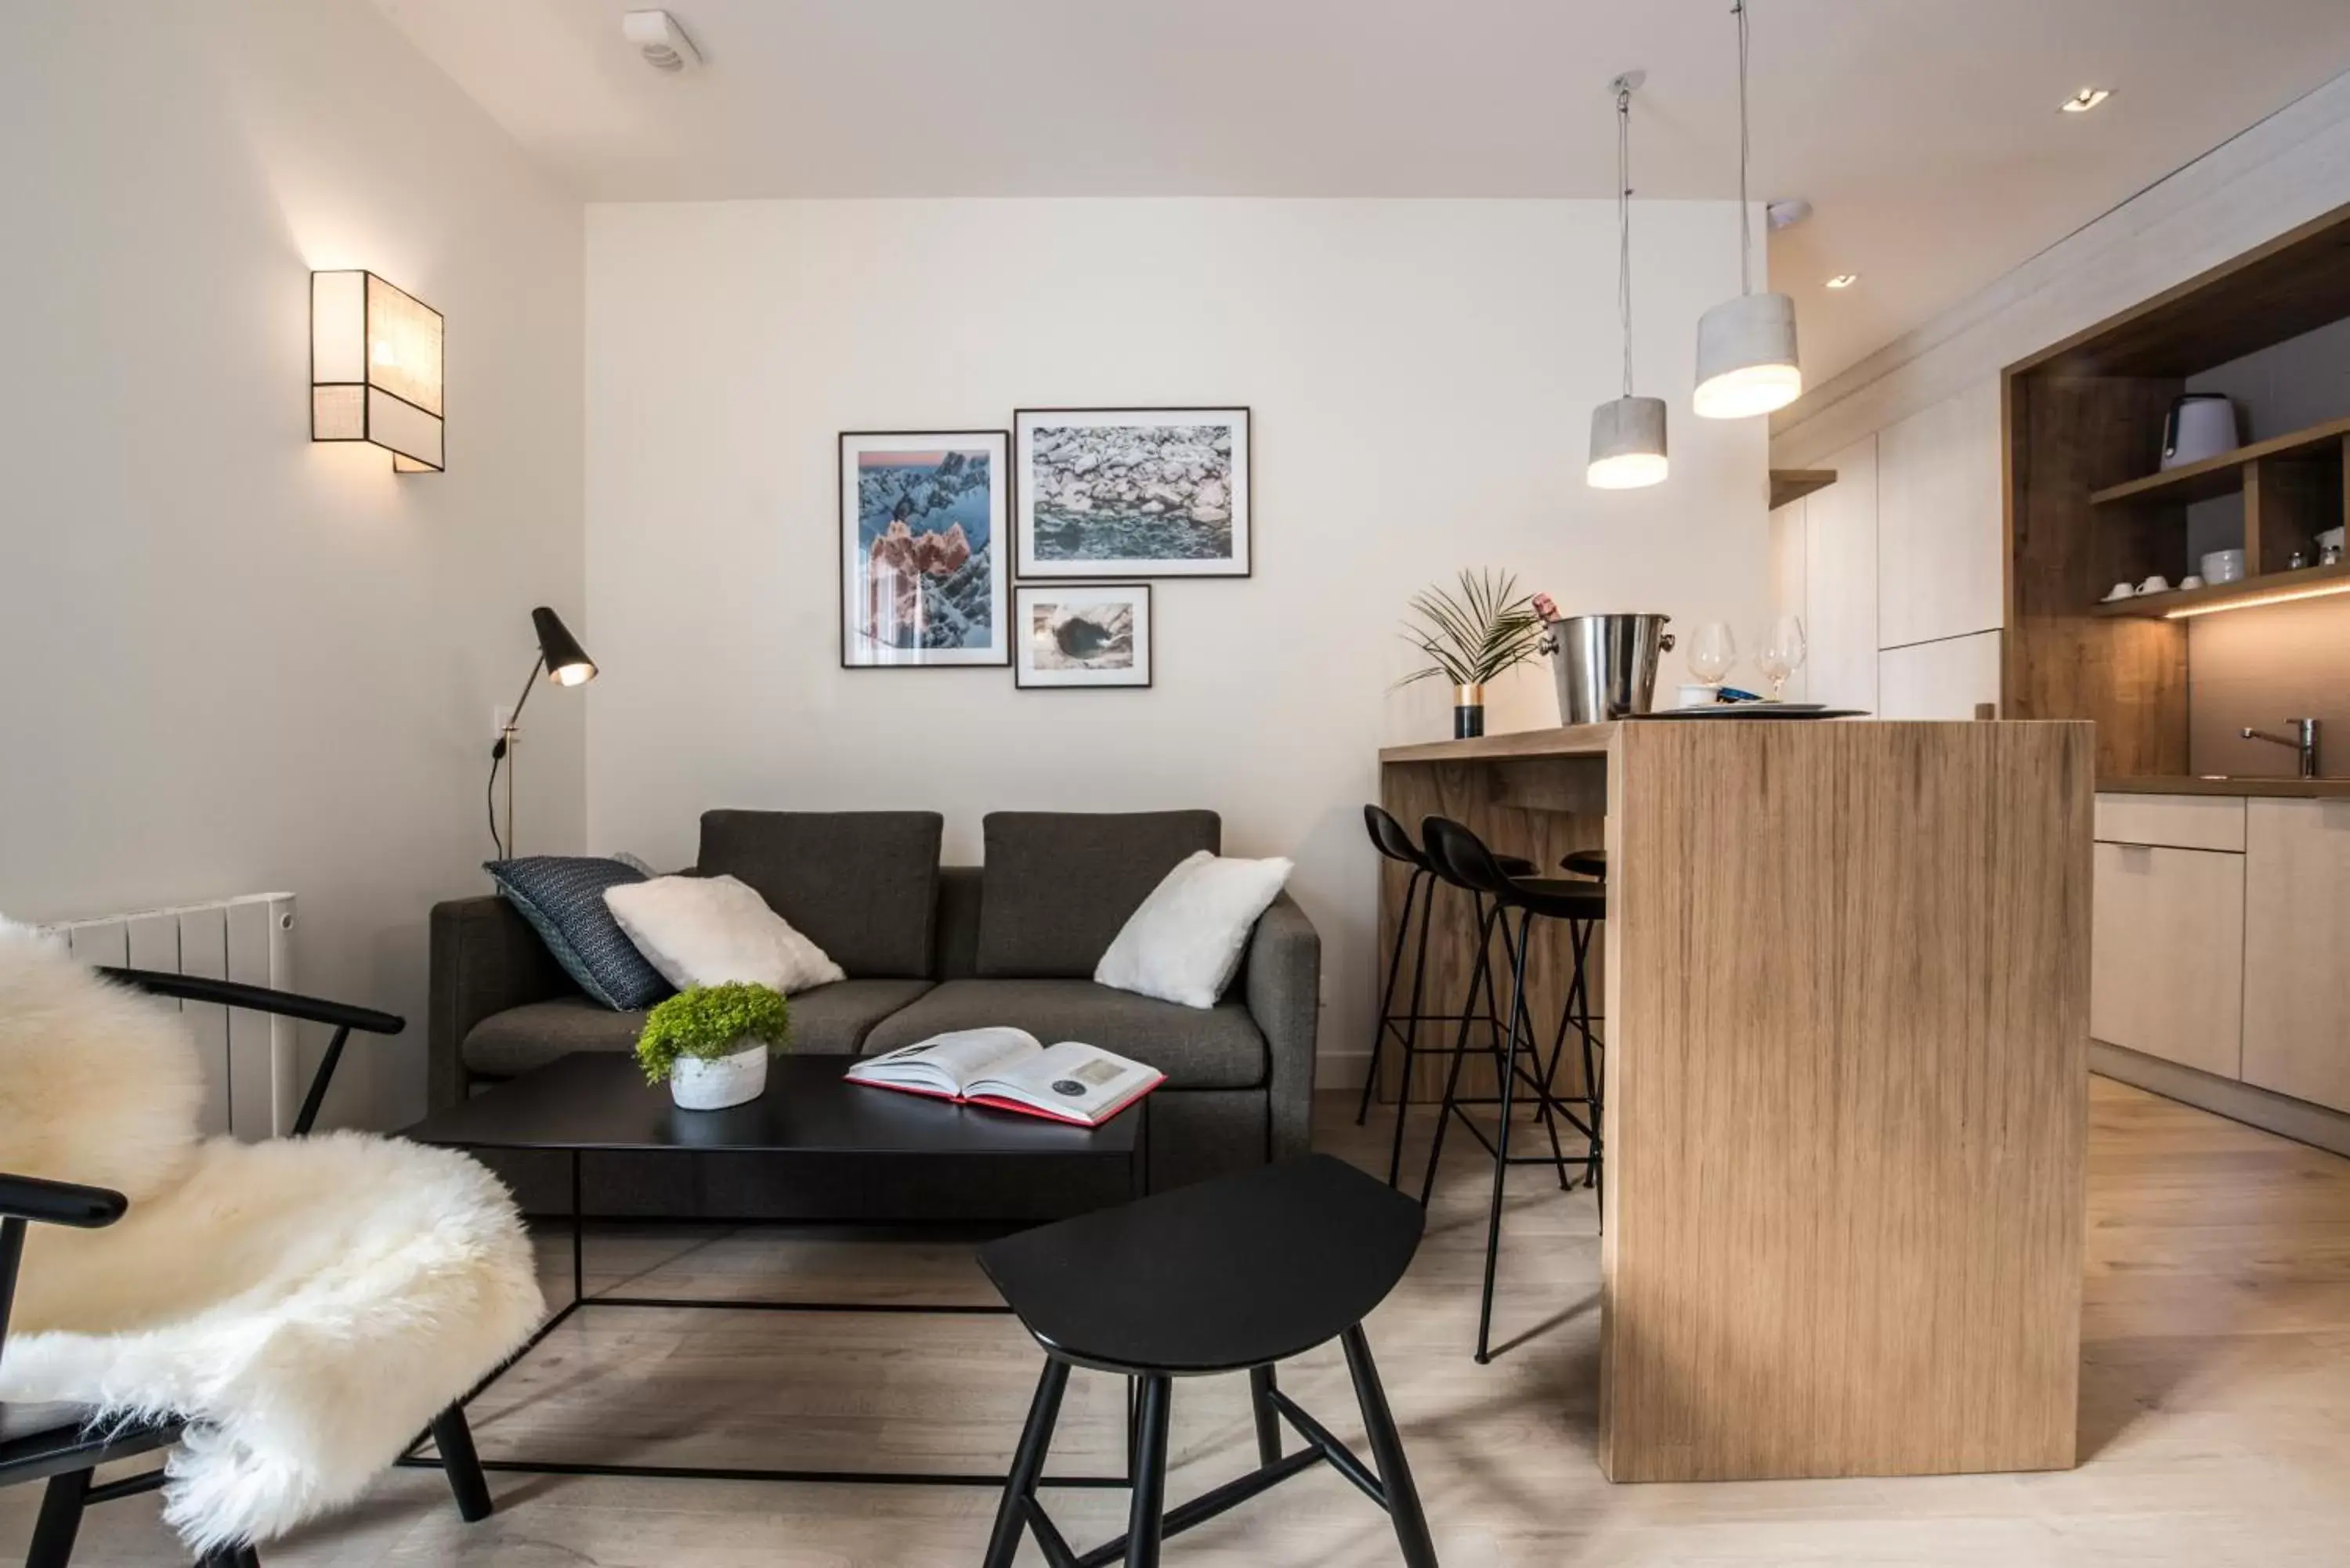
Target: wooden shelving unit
2270	588
1794	483
2230	471
2087	507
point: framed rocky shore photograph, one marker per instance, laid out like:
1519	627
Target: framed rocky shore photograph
1082	634
923	581
1133	493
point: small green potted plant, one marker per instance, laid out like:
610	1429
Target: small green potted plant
710	1042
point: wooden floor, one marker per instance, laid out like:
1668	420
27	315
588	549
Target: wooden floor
2215	1406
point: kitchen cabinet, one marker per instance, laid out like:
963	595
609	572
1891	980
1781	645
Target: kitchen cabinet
1945	680
2297	949
1840	582
1940	523
2166	970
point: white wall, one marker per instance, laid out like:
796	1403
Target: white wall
238	660
1421	374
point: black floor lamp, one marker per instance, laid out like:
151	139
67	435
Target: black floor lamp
565	664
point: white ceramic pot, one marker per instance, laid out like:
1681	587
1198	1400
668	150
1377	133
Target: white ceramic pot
712	1086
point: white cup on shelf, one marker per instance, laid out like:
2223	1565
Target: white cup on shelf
2157	584
2191	580
2119	591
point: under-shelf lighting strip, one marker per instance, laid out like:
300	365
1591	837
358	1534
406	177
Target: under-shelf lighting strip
2283	596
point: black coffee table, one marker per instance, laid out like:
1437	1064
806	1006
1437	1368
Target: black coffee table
810	1124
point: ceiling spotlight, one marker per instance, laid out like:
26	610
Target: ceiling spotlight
1843	280
2085	100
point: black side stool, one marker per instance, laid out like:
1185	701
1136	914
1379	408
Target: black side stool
1231	1275
1391	839
1461	857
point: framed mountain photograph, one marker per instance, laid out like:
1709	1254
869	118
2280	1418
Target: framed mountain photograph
1082	634
922	578
1132	493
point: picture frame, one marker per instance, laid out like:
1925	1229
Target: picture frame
1083	637
1132	493
925	581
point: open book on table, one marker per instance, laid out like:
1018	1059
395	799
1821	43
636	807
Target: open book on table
1012	1070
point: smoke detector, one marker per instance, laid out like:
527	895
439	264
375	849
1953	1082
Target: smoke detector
661	41
1786	212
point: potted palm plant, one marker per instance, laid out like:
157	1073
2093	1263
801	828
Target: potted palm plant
711	1044
1472	637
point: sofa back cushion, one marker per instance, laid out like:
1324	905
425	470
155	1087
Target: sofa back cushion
1058	885
861	885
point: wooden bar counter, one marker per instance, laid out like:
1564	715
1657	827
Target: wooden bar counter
1846	999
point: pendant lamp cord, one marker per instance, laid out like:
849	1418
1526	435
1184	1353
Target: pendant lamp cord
1745	238
1623	225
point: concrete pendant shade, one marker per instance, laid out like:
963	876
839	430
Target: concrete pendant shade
1746	357
1628	444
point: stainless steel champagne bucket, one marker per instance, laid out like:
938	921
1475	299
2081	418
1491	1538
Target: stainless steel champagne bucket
1605	665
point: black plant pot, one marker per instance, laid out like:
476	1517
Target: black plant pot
1467	711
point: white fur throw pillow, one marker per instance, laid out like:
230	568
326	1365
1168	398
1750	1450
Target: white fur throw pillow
708	930
1185	942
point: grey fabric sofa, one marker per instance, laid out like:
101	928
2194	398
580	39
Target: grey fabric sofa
927	948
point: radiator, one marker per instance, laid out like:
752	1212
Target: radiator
252	1086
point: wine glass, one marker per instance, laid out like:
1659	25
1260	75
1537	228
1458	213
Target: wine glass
1782	652
1712	651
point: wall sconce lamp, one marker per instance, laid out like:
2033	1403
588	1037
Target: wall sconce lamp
375	368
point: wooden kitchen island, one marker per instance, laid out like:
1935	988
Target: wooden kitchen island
1846	989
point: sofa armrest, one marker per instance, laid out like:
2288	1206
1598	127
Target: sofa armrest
1284	998
485	959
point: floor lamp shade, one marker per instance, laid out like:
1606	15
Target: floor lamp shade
1746	357
567	663
375	368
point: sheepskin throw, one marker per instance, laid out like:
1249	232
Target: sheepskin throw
306	1305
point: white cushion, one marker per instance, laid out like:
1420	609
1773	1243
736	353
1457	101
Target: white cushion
708	930
1185	942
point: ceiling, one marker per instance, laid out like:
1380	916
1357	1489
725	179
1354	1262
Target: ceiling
1926	134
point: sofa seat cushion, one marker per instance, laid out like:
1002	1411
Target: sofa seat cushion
830	1021
1216	1047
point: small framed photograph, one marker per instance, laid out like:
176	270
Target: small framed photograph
1082	634
1132	493
922	573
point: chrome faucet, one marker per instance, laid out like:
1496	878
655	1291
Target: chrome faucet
2303	740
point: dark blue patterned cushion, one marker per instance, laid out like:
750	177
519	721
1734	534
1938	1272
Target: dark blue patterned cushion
562	896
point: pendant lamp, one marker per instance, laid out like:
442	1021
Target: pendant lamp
1628	436
1746	346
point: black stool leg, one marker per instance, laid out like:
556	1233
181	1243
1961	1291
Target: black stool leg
1501	1133
1386	1452
1268	1419
59	1521
453	1435
1146	1519
1027	1464
233	1557
1444	1107
1411	1048
1387	995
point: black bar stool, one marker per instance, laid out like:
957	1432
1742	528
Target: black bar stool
1461	857
1231	1275
1391	839
1587	862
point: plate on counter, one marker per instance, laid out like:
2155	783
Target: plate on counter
1756	710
